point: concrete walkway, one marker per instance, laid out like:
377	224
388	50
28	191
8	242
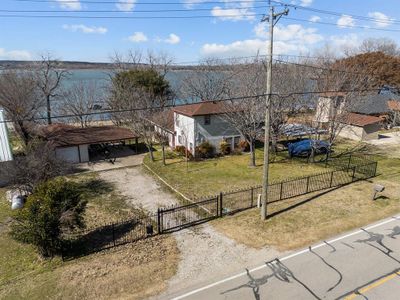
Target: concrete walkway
122	162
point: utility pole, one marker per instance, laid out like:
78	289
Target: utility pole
272	19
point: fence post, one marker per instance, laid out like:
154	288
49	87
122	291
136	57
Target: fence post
330	184
113	233
252	197
349	163
159	221
281	191
354	173
375	168
220	204
308	182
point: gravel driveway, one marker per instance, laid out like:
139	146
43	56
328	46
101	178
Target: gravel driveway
139	188
205	254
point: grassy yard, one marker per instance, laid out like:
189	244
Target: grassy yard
318	216
122	272
211	176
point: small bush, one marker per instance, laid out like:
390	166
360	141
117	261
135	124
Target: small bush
170	154
224	148
237	151
244	146
205	150
181	150
54	208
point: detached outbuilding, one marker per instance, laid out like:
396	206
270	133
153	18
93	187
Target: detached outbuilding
72	144
360	127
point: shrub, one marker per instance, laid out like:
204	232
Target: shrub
244	146
54	208
181	150
205	150
170	154
224	148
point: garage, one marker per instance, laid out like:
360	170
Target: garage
76	145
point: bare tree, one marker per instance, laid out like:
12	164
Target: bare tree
247	115
342	87
211	80
80	101
39	164
49	75
385	45
290	80
19	98
162	122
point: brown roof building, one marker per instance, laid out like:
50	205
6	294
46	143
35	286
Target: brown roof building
200	109
72	143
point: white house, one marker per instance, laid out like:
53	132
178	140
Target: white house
199	122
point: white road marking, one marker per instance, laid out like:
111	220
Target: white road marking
392	219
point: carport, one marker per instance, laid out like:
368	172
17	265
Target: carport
72	144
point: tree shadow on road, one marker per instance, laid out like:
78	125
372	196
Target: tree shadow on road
279	271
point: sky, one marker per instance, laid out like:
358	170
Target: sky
227	28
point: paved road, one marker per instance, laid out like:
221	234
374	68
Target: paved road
364	264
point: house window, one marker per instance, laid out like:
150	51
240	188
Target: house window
207	120
177	121
180	139
191	146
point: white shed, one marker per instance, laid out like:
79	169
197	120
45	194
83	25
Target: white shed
360	127
5	148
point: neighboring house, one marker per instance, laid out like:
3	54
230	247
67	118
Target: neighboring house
394	107
326	106
5	148
199	122
359	127
376	104
72	143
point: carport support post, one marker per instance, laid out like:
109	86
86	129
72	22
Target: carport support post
136	145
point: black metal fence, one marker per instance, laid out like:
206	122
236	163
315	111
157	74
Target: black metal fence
345	170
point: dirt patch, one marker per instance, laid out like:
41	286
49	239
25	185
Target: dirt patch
208	255
134	271
139	188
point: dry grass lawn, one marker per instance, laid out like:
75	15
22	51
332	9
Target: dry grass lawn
323	216
133	271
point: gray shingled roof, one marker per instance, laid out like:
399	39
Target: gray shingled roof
374	104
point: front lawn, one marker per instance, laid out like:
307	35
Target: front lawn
121	272
211	176
305	220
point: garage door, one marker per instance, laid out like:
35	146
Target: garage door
70	154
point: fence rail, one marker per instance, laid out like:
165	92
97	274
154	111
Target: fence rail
345	170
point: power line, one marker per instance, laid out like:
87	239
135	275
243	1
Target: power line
206	101
141	3
339	14
129	17
118	11
343	26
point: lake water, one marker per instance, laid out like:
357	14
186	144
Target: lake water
101	78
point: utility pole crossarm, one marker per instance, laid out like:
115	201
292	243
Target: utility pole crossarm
272	19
